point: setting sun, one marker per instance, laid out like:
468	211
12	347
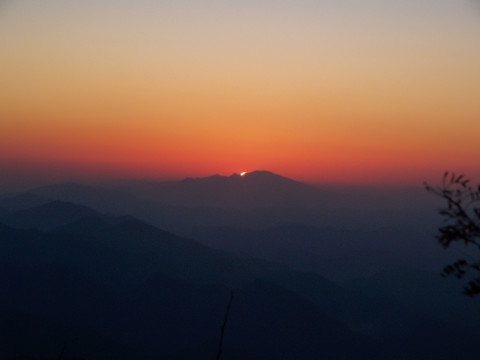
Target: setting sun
243	173
238	84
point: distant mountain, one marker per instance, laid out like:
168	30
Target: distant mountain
254	189
67	190
257	200
101	199
48	216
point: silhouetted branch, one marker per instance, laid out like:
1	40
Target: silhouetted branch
462	224
220	344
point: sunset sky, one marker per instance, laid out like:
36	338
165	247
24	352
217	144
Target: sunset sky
323	91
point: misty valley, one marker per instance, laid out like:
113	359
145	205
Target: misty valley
134	269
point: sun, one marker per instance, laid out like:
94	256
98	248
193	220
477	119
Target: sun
243	173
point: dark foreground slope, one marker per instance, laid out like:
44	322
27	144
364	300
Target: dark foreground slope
156	294
117	280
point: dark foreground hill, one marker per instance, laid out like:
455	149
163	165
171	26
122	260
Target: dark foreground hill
155	293
101	281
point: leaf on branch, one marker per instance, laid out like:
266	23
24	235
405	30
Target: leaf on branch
473	288
461	224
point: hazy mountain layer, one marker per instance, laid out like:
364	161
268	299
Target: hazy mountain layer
151	290
159	294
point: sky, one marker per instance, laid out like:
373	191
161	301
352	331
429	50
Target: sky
322	91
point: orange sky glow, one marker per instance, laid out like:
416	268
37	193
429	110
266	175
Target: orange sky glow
323	92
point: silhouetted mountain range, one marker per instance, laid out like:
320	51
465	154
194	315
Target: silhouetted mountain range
152	289
257	200
161	295
254	189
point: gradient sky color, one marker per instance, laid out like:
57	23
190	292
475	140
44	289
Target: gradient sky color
331	91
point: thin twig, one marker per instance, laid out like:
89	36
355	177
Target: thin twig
220	344
62	353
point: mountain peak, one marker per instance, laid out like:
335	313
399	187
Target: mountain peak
256	175
265	177
264	173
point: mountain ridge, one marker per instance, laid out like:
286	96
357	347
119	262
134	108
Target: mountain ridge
47	216
128	256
